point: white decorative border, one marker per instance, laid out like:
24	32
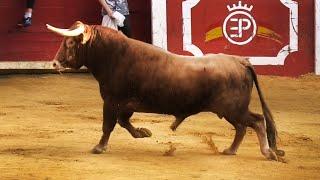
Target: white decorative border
317	36
278	60
159	23
187	34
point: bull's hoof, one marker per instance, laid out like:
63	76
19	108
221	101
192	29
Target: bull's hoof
173	127
228	152
98	149
271	155
142	133
280	152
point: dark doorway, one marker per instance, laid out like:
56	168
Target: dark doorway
140	11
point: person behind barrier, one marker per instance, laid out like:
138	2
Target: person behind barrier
117	11
27	18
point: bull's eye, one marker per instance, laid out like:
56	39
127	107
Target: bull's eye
70	43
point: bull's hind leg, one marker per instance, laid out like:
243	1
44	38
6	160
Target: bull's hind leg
123	120
176	123
109	121
240	132
256	121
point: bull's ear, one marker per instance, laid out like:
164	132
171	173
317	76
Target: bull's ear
86	35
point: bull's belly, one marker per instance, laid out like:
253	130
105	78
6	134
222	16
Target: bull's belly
221	110
222	105
171	108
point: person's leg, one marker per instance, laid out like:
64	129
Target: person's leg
30	4
26	21
126	29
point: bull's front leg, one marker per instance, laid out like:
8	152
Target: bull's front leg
109	121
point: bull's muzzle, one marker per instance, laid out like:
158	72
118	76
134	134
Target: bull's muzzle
57	65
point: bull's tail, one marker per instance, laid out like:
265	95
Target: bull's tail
271	127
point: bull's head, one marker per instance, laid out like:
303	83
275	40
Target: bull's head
70	53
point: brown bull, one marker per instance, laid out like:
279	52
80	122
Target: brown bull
137	77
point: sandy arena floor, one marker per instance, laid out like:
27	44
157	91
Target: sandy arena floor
49	124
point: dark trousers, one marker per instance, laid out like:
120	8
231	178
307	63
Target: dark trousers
30	3
126	29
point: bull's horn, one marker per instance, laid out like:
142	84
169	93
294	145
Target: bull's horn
67	32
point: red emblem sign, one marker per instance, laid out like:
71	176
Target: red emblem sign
235	27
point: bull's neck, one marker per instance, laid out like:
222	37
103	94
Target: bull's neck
104	52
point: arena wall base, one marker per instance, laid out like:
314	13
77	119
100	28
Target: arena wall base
34	67
26	65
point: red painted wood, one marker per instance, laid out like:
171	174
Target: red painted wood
140	18
37	43
303	61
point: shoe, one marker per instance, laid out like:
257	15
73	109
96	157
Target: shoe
25	22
